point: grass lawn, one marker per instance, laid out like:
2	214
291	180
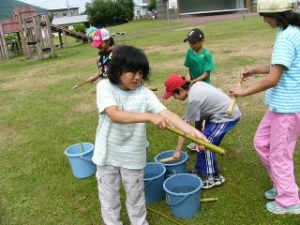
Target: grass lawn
41	115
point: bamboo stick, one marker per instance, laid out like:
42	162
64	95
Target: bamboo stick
209	199
164	216
81	84
233	100
209	146
168	159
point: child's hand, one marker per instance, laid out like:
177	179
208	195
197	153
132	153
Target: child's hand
246	73
92	79
158	121
197	134
176	155
237	91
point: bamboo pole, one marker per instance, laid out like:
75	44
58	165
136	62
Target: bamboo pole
209	146
164	216
233	100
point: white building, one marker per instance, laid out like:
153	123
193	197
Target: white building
140	8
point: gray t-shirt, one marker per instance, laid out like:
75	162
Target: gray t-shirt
207	102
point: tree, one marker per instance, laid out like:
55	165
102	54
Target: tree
152	5
108	12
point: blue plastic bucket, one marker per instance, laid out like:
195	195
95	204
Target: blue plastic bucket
183	194
173	167
80	158
154	177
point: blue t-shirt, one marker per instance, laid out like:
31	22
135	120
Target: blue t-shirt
285	96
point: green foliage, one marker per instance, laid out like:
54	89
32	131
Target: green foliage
7	8
79	28
10	37
103	13
152	5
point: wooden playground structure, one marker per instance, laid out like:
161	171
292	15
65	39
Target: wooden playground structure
34	33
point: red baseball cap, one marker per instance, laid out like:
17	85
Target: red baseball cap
99	37
173	82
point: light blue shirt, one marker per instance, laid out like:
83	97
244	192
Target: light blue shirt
122	145
285	96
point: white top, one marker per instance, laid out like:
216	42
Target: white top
122	145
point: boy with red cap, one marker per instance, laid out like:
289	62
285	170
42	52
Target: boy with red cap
209	103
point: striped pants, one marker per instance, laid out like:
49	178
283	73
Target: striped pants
206	160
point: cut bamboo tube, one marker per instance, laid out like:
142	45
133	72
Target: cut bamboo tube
209	199
164	216
233	100
81	84
168	159
209	146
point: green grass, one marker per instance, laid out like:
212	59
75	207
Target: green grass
41	115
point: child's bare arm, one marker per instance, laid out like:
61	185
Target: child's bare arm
180	124
125	117
202	77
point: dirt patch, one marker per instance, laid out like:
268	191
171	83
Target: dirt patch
85	107
170	49
9	135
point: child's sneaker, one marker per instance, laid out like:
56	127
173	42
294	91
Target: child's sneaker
271	194
274	208
192	146
219	179
208	182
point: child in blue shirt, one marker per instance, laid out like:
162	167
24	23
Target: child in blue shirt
277	134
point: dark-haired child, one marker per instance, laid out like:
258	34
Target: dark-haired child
124	107
104	42
199	63
207	102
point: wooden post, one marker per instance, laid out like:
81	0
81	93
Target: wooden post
3	45
60	39
27	48
50	38
19	43
37	31
22	34
65	39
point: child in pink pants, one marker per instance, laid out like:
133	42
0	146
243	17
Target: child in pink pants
277	134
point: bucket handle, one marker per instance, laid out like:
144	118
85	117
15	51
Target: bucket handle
170	203
86	159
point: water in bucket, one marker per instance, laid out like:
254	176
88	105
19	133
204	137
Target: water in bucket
173	167
154	176
80	158
183	194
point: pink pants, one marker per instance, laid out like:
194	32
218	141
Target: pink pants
275	142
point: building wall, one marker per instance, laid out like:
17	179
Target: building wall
165	12
65	12
194	6
190	6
